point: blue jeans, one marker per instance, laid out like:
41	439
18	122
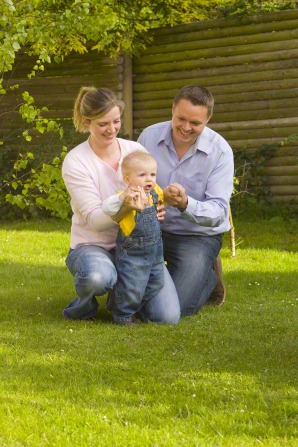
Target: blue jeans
95	274
140	278
190	262
139	264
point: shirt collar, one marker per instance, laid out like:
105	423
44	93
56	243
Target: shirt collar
166	134
203	141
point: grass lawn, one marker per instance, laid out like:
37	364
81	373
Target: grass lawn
224	377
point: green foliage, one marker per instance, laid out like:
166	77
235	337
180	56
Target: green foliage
32	189
247	7
251	195
51	29
32	114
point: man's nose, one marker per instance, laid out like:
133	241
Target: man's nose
186	125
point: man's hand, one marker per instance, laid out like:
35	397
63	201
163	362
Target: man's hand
175	196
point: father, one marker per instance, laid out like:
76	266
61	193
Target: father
197	164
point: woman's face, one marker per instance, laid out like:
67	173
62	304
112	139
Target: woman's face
104	130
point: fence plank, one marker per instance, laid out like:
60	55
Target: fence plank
214	61
290	62
221	41
220	51
284	190
275	180
285	160
188	33
224	23
232	88
280	170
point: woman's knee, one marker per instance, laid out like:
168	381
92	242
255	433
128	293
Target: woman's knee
103	279
97	280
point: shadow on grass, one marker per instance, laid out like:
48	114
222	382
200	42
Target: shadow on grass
252	332
39	225
38	291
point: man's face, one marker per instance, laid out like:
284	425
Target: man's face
188	122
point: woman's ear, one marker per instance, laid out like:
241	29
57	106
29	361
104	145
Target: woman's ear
86	121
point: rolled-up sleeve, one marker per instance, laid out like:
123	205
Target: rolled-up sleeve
214	209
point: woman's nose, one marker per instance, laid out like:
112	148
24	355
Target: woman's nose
111	128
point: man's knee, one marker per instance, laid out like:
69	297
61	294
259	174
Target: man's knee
168	317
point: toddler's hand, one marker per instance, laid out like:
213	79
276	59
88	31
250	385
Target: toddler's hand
135	198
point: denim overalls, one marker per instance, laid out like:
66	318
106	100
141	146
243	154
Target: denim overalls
139	263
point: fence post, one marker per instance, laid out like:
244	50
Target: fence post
127	96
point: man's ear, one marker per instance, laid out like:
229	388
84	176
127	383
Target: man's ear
209	118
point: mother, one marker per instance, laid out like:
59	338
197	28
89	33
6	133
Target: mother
91	172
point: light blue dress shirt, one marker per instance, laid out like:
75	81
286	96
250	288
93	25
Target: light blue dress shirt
206	172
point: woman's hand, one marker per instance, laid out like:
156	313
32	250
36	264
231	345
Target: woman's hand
161	212
175	196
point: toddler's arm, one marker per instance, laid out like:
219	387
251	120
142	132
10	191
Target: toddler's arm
112	204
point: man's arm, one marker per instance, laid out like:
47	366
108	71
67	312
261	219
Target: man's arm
213	210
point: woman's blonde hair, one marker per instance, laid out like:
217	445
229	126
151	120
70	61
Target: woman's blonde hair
92	103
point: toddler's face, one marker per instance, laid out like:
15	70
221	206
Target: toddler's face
143	175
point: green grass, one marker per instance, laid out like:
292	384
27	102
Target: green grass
224	377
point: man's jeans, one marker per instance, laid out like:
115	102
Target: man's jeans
190	262
95	274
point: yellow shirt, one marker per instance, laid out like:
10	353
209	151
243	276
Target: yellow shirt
128	222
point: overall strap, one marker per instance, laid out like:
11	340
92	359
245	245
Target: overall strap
154	197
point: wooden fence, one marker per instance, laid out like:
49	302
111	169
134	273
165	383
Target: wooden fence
250	65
